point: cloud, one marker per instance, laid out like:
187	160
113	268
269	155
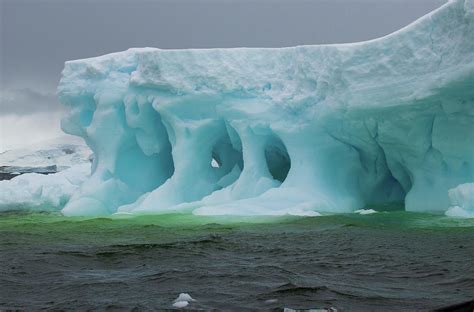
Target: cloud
22	130
27	101
28	116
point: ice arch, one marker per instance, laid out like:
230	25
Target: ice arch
295	130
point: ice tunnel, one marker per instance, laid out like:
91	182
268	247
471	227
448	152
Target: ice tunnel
299	130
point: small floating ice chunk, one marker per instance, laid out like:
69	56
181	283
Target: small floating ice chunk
331	309
180	304
184	297
270	301
182	301
365	211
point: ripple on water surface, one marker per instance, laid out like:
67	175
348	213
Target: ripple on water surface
386	260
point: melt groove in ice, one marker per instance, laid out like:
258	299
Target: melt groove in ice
299	130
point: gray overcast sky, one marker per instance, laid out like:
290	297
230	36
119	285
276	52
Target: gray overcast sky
37	36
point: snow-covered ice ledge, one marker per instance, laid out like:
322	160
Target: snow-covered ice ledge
298	130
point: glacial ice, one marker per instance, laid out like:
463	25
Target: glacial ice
180	304
462	201
182	301
63	152
299	130
365	211
38	192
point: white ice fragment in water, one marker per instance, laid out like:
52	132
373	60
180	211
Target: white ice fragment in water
270	301
182	301
180	304
331	309
184	297
365	211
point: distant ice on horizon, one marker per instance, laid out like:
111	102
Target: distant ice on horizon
62	151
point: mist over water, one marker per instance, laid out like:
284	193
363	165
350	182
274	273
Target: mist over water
392	260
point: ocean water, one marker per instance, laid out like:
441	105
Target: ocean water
387	261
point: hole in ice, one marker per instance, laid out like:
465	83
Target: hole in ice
277	158
215	163
226	158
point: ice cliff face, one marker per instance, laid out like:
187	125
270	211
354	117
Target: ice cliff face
300	130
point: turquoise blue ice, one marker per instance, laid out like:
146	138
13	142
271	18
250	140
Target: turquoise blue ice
300	130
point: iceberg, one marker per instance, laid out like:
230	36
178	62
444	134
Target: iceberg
63	152
43	176
462	201
39	192
271	131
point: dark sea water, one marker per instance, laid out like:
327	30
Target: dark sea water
388	261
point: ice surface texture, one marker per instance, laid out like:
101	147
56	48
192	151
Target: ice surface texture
62	152
462	201
38	192
300	130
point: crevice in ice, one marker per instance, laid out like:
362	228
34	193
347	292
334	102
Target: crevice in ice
277	159
431	151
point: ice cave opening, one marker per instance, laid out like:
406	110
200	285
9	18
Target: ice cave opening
277	158
227	157
149	150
